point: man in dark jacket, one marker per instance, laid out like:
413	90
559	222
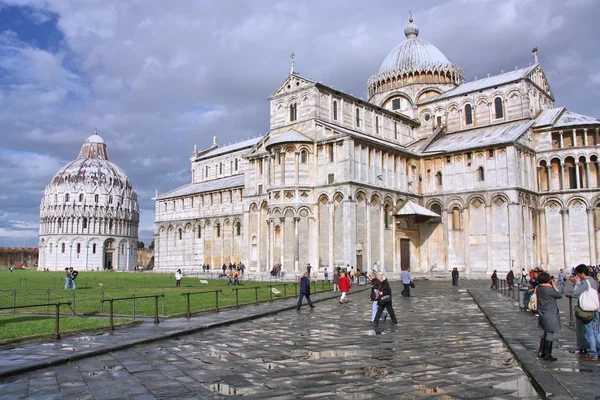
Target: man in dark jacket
375	284
304	292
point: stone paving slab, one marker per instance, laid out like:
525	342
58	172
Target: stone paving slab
567	378
19	358
443	348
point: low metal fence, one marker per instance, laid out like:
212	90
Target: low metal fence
57	305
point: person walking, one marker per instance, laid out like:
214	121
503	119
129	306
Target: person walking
67	279
406	279
374	296
549	321
524	276
591	334
455	276
304	291
344	285
562	278
384	301
510	280
494	280
326	275
178	276
336	280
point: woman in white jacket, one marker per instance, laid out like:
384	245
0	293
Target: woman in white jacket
178	276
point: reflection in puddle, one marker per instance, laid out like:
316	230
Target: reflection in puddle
113	368
223	388
574	369
521	386
375	372
318	355
426	390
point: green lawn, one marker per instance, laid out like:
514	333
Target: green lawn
37	287
25	326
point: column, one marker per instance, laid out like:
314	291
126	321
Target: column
297	249
466	223
446	237
394	249
577	182
560	136
258	239
314	225
128	253
269	245
565	228
587	174
591	235
369	261
597	165
282	243
87	247
489	235
573	138
382	236
562	175
548	171
331	210
297	168
585	139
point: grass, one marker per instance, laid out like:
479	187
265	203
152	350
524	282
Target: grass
27	327
37	287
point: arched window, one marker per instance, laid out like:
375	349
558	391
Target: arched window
456	218
180	234
376	124
50	248
94	248
84	223
357	117
96	198
436	208
80	197
62	248
335	112
218	226
293	112
468	114
303	156
220	168
499	107
55	199
236	164
480	174
67	198
386	219
199	232
438	179
78	248
206	172
238	229
110	226
110	199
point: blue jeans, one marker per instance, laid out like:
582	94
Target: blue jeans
302	295
67	283
374	312
562	286
592	335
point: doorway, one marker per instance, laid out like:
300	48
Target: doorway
404	254
359	262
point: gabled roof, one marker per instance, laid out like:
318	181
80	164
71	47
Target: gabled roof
290	136
410	208
203	187
484	83
480	137
230	148
573	119
548	117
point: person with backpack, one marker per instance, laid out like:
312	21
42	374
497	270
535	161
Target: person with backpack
591	334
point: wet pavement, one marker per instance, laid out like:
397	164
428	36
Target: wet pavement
443	347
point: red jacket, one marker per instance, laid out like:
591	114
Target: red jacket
344	284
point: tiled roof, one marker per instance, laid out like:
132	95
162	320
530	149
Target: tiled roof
203	187
412	208
573	119
484	83
290	136
362	136
480	137
547	117
230	148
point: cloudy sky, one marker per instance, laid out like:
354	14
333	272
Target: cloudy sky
157	79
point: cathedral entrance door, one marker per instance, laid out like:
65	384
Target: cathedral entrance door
108	254
404	254
359	265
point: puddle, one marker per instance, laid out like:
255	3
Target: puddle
272	366
223	388
521	386
113	368
314	355
575	370
373	332
375	372
83	338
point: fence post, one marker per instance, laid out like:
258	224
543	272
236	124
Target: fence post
189	314
570	310
156	321
48	300
237	302
163	303
256	294
57	330
111	321
73	308
102	301
217	300
15	300
133	305
271	293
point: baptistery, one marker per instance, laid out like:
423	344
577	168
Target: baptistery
89	214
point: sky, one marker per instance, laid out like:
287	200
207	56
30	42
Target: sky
157	78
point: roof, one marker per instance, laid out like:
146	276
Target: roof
230	148
290	136
362	136
484	83
480	137
203	187
411	208
547	117
573	119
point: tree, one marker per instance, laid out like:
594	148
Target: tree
151	247
141	244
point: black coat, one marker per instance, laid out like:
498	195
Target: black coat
454	273
305	285
375	288
385	288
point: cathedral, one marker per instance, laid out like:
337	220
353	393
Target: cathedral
431	172
89	214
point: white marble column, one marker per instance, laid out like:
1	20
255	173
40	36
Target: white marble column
368	215
577	174
587	175
282	243
331	233
562	176
565	228
489	236
297	168
591	235
128	254
562	144
382	235
548	177
297	245
585	139
269	245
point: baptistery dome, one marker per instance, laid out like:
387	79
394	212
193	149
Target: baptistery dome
414	61
89	214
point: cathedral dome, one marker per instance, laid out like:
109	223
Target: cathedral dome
414	61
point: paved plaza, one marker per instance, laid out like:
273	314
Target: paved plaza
443	347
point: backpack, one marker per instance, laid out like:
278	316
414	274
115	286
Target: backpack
588	300
533	304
